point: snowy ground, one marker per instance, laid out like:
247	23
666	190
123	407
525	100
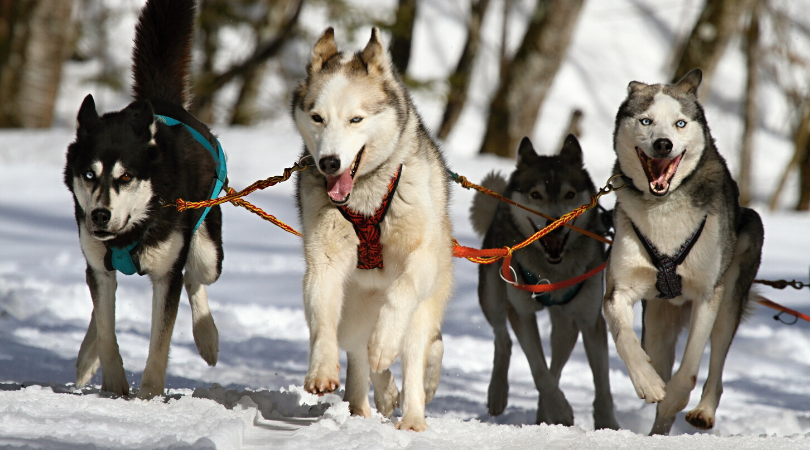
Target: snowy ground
45	305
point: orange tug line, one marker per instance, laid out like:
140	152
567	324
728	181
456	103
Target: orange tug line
478	256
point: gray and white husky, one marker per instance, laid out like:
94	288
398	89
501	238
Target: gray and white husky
122	169
683	244
377	235
554	185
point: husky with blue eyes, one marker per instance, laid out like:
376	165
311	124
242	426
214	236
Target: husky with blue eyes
683	246
124	169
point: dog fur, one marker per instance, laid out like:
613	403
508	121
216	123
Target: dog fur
554	185
122	169
356	117
675	177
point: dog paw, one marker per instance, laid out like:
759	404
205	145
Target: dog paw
85	369
386	398
649	386
497	397
701	418
360	410
148	390
114	381
323	379
677	397
412	423
383	348
554	409
206	338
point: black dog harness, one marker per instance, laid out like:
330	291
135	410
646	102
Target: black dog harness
668	282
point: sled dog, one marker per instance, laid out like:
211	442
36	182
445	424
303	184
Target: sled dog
123	169
683	245
377	235
554	185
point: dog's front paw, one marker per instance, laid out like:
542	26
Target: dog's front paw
701	418
649	386
384	346
497	397
554	409
322	379
677	397
206	338
386	395
148	390
114	381
417	423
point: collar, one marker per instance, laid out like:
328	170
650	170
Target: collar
545	297
367	228
668	282
125	259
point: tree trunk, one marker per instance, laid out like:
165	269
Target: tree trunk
514	108
751	118
718	23
460	79
35	39
401	34
804	182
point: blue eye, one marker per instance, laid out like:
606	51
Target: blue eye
680	124
89	175
645	121
356	119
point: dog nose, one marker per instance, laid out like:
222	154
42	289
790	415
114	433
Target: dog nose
100	216
662	146
329	164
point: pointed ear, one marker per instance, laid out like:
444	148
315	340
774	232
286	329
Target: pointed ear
526	153
690	82
571	150
324	49
635	86
142	118
87	118
375	56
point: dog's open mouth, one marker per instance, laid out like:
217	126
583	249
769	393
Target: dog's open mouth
340	186
553	243
659	171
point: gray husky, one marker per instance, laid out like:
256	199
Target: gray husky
377	236
683	244
554	185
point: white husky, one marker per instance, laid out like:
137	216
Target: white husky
683	244
377	236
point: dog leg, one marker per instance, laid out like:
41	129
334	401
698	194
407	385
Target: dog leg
165	300
357	376
88	361
494	304
552	407
206	336
618	307
594	339
564	334
704	313
386	394
663	322
433	366
102	290
414	354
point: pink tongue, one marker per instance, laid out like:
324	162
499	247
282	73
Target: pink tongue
338	187
658	169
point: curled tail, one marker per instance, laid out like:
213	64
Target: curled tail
162	54
483	207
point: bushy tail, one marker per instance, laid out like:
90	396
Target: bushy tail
483	207
162	54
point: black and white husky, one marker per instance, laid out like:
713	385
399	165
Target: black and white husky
683	244
554	185
123	169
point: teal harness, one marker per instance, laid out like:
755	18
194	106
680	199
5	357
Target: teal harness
545	297
125	259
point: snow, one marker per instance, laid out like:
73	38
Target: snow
253	397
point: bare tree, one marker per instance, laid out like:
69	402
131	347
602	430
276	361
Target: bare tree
718	23
750	116
460	79
401	34
36	37
514	108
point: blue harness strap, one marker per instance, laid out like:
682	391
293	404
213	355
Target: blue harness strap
120	258
545	297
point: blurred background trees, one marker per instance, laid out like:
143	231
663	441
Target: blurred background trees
251	83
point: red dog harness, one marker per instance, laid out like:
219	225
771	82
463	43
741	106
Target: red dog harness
369	250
